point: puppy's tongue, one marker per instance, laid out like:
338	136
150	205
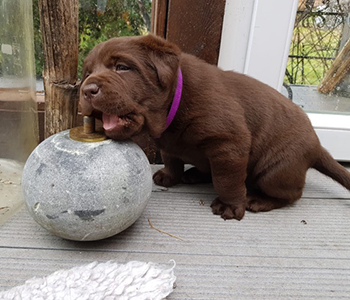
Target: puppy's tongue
109	122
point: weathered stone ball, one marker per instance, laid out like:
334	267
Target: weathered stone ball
86	191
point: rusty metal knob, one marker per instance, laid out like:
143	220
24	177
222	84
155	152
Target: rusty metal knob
87	132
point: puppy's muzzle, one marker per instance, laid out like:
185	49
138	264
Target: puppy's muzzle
91	91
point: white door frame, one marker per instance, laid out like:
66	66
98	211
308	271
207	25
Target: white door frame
256	37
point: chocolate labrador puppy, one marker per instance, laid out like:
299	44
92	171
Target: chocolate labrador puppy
252	142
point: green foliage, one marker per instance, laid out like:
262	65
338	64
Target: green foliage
311	54
317	36
96	24
1	59
38	49
15	36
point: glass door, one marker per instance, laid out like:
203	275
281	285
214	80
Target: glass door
317	73
301	48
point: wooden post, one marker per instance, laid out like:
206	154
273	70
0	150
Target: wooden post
159	17
338	70
195	26
59	27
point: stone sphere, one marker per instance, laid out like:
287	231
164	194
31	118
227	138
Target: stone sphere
86	191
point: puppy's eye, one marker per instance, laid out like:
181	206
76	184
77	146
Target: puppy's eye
122	68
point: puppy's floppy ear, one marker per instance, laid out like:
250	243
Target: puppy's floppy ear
164	56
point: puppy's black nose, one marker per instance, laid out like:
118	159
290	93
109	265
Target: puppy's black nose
90	91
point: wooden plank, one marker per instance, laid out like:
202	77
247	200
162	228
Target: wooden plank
189	216
196	27
299	252
159	17
203	276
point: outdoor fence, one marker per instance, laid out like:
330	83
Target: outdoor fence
321	29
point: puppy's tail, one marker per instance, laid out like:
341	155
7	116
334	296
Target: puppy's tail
330	167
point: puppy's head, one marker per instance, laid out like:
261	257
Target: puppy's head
129	83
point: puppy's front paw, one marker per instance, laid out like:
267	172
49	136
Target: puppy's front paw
163	178
226	211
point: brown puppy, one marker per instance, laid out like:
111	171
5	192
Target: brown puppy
254	143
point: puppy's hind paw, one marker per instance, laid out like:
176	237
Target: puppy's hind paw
226	211
162	178
257	204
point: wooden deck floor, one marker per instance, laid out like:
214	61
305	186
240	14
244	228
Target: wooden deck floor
299	252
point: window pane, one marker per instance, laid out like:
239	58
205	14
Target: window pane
316	71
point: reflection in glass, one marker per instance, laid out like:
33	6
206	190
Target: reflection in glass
18	121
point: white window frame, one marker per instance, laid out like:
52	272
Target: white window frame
256	37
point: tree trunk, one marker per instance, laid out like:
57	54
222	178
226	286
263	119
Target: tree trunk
59	27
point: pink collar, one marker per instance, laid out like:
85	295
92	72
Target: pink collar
176	101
